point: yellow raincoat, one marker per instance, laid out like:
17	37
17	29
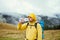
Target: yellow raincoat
31	32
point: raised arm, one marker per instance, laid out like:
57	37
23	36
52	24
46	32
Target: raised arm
21	26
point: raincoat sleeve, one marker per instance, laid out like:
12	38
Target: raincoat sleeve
21	26
39	32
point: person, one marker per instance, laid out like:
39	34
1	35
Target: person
42	25
33	29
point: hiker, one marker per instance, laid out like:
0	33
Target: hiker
33	29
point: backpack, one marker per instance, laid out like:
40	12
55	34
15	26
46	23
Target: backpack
32	25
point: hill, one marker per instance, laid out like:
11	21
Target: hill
7	26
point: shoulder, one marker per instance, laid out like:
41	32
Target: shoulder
38	25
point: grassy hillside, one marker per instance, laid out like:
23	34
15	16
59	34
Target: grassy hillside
9	32
52	34
7	26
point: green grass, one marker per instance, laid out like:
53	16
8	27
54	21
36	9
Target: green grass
8	38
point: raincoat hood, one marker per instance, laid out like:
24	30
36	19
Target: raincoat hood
32	15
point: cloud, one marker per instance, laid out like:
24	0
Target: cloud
8	5
17	6
44	7
52	6
26	7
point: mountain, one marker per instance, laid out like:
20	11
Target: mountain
13	18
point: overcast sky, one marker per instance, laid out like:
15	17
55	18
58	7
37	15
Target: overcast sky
44	7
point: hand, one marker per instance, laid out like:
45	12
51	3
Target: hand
21	21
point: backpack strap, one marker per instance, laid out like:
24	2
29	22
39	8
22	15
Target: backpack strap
36	25
36	29
27	25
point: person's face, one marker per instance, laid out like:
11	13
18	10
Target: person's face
30	19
